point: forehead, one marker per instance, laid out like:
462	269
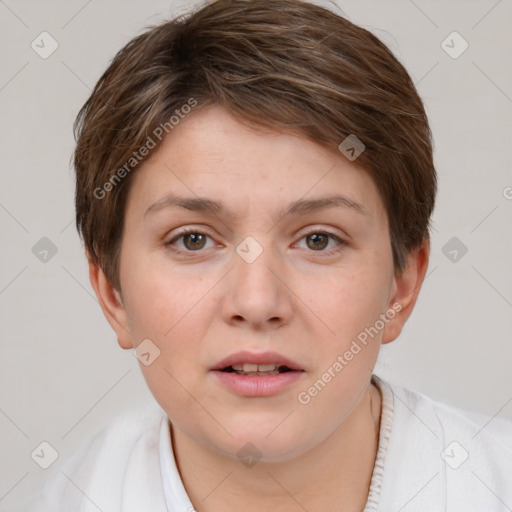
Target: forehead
212	159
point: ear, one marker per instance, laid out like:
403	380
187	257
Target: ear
111	304
406	288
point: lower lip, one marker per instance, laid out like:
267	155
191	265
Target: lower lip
254	386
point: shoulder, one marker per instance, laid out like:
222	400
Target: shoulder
453	420
454	455
93	476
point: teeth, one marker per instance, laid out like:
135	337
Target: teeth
249	367
267	367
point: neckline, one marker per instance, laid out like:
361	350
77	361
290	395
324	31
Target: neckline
386	423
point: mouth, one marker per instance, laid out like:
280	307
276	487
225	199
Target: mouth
257	375
259	370
247	363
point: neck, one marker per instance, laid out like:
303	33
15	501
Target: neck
339	470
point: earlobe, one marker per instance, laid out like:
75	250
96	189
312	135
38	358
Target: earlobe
406	288
111	304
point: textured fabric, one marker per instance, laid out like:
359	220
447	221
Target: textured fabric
431	457
439	460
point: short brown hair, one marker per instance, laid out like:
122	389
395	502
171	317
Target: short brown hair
284	64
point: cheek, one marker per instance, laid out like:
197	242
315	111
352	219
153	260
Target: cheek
161	300
347	351
348	336
174	312
345	302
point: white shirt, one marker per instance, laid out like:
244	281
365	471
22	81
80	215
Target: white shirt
431	457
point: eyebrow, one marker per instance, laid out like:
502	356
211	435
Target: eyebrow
301	206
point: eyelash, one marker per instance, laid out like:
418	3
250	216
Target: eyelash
188	231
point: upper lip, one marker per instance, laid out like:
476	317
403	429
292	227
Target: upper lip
256	358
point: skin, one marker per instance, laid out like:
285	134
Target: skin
305	298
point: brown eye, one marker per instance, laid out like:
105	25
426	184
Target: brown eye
194	241
189	241
319	241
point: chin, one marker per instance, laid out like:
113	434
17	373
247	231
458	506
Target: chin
260	444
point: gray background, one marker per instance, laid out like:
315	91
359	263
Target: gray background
63	374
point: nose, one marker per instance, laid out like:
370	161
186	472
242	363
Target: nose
257	292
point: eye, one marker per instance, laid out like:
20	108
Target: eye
193	240
319	240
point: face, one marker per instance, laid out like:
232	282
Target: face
267	271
